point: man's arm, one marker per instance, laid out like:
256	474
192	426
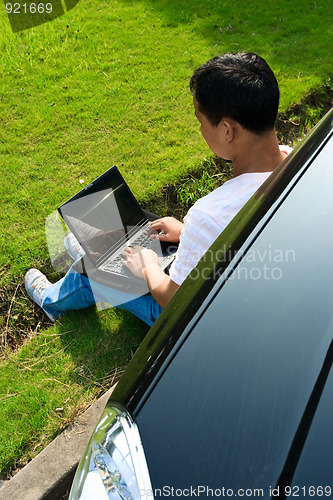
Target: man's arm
160	284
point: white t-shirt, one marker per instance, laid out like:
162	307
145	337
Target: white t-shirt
209	216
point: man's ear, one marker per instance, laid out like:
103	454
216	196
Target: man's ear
228	131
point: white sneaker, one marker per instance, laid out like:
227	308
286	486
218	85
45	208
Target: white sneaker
35	284
73	247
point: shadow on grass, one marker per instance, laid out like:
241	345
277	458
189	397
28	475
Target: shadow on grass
52	379
294	36
100	344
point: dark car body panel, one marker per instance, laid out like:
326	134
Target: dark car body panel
230	386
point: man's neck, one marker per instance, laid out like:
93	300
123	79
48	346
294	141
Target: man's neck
257	153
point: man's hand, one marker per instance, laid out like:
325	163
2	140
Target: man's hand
137	259
143	263
166	229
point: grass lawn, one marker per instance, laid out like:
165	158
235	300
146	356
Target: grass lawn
107	83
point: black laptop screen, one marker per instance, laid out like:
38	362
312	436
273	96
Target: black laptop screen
103	215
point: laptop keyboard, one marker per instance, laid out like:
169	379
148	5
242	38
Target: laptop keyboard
115	265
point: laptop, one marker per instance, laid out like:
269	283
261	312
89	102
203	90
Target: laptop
105	218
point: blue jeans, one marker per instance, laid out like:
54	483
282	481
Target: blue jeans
75	291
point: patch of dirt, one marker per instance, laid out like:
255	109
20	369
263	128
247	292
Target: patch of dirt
20	318
300	118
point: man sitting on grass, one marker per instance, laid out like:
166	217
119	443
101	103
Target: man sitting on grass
236	98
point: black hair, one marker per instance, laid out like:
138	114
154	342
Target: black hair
239	86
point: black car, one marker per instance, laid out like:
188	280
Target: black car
231	392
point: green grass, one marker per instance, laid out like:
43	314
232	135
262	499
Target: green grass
60	372
108	83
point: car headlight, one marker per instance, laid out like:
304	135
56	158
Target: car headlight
113	465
